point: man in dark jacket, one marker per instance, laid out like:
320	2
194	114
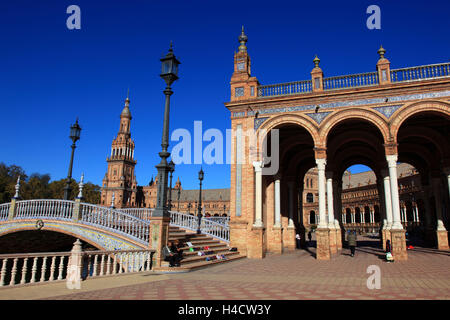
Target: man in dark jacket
171	256
352	242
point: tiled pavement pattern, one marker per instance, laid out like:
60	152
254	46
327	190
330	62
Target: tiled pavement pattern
426	275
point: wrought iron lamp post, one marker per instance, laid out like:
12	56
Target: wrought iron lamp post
169	72
75	131
171	170
199	212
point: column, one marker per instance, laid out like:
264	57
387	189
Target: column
322	202
398	239
258	193
277	220
352	215
442	239
387	198
330	203
392	163
438	199
362	214
322	232
291	186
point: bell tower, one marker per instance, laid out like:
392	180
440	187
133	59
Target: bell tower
119	178
243	85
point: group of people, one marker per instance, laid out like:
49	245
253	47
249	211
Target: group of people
173	253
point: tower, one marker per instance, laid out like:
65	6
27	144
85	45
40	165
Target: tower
120	177
243	85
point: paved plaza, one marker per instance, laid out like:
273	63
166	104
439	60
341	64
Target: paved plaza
293	276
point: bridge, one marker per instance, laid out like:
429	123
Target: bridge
121	236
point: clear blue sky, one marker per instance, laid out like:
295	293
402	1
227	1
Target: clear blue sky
50	75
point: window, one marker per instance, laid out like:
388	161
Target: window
309	198
239	92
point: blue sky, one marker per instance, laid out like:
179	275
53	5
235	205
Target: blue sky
51	75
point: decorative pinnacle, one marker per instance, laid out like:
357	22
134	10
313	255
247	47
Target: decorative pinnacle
316	61
243	40
80	186
171	44
16	195
381	52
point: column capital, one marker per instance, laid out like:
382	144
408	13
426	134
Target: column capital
321	163
392	160
258	166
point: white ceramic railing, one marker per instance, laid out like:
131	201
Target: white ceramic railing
221	220
44	208
47	267
4	211
430	71
141	213
116	221
214	229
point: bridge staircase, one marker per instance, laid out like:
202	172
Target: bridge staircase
191	260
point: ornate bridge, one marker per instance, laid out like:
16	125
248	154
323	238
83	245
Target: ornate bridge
104	228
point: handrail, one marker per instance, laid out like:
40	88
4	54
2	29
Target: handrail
141	213
4	210
430	71
212	228
288	88
116	221
49	208
358	80
351	81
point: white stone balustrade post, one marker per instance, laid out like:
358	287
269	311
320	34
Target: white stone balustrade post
73	280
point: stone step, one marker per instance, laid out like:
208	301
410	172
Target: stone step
187	253
196	265
197	258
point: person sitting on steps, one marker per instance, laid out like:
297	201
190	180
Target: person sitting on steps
171	255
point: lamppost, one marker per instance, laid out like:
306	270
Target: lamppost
224	207
178	198
189	208
169	72
171	170
75	131
199	212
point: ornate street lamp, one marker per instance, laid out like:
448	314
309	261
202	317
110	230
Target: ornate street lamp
169	72
189	208
75	131
178	198
171	170
199	212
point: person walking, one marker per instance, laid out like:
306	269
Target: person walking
309	237
352	242
298	240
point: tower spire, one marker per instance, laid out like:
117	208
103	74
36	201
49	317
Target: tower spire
243	40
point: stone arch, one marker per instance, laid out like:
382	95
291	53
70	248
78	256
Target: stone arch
353	113
100	239
296	119
405	112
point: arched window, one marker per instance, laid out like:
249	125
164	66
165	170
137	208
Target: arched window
309	198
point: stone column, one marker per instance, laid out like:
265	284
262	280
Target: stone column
387	198
258	194
322	231
442	238
277	229
330	206
255	238
289	233
277	203
398	240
